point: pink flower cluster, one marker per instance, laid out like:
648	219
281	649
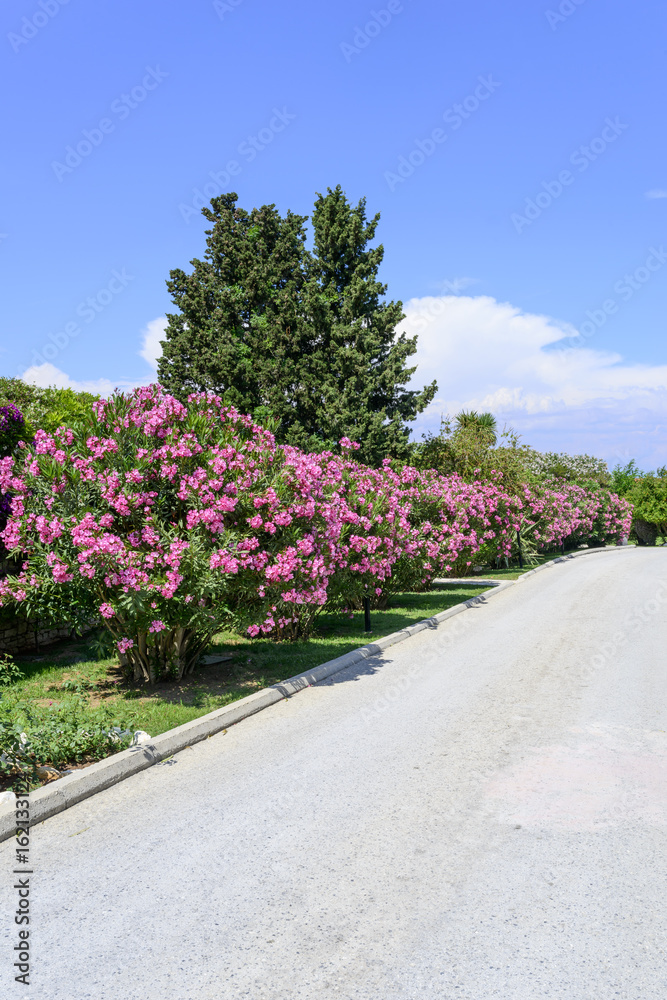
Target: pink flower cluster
162	515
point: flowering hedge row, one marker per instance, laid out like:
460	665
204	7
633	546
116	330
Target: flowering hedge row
168	521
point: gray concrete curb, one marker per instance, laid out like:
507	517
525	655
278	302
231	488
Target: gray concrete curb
53	798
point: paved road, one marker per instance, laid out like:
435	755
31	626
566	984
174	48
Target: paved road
481	812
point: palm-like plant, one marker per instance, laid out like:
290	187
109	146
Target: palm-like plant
484	424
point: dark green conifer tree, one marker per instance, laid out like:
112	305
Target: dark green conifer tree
360	364
240	330
306	339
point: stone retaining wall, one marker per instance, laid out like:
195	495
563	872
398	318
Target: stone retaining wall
21	636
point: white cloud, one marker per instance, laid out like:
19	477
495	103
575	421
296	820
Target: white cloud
456	285
492	356
152	334
47	375
657	193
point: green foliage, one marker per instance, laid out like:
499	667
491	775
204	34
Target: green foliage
623	477
17	761
78	686
101	644
305	340
581	469
45	409
10	672
469	447
483	425
32	736
360	364
239	329
648	493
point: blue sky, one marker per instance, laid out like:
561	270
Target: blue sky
556	322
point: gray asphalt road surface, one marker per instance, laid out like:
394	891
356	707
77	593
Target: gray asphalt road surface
479	812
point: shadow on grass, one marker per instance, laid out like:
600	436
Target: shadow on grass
66	655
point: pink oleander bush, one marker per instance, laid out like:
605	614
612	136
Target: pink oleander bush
556	512
167	522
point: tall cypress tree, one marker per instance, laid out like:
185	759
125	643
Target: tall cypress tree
359	366
306	338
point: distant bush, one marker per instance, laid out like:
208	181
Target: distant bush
470	446
572	468
43	409
25	409
12	428
647	492
623	477
649	496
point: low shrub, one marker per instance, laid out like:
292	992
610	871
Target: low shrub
44	409
60	735
10	672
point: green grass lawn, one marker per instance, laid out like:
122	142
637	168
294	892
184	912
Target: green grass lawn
68	681
514	571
